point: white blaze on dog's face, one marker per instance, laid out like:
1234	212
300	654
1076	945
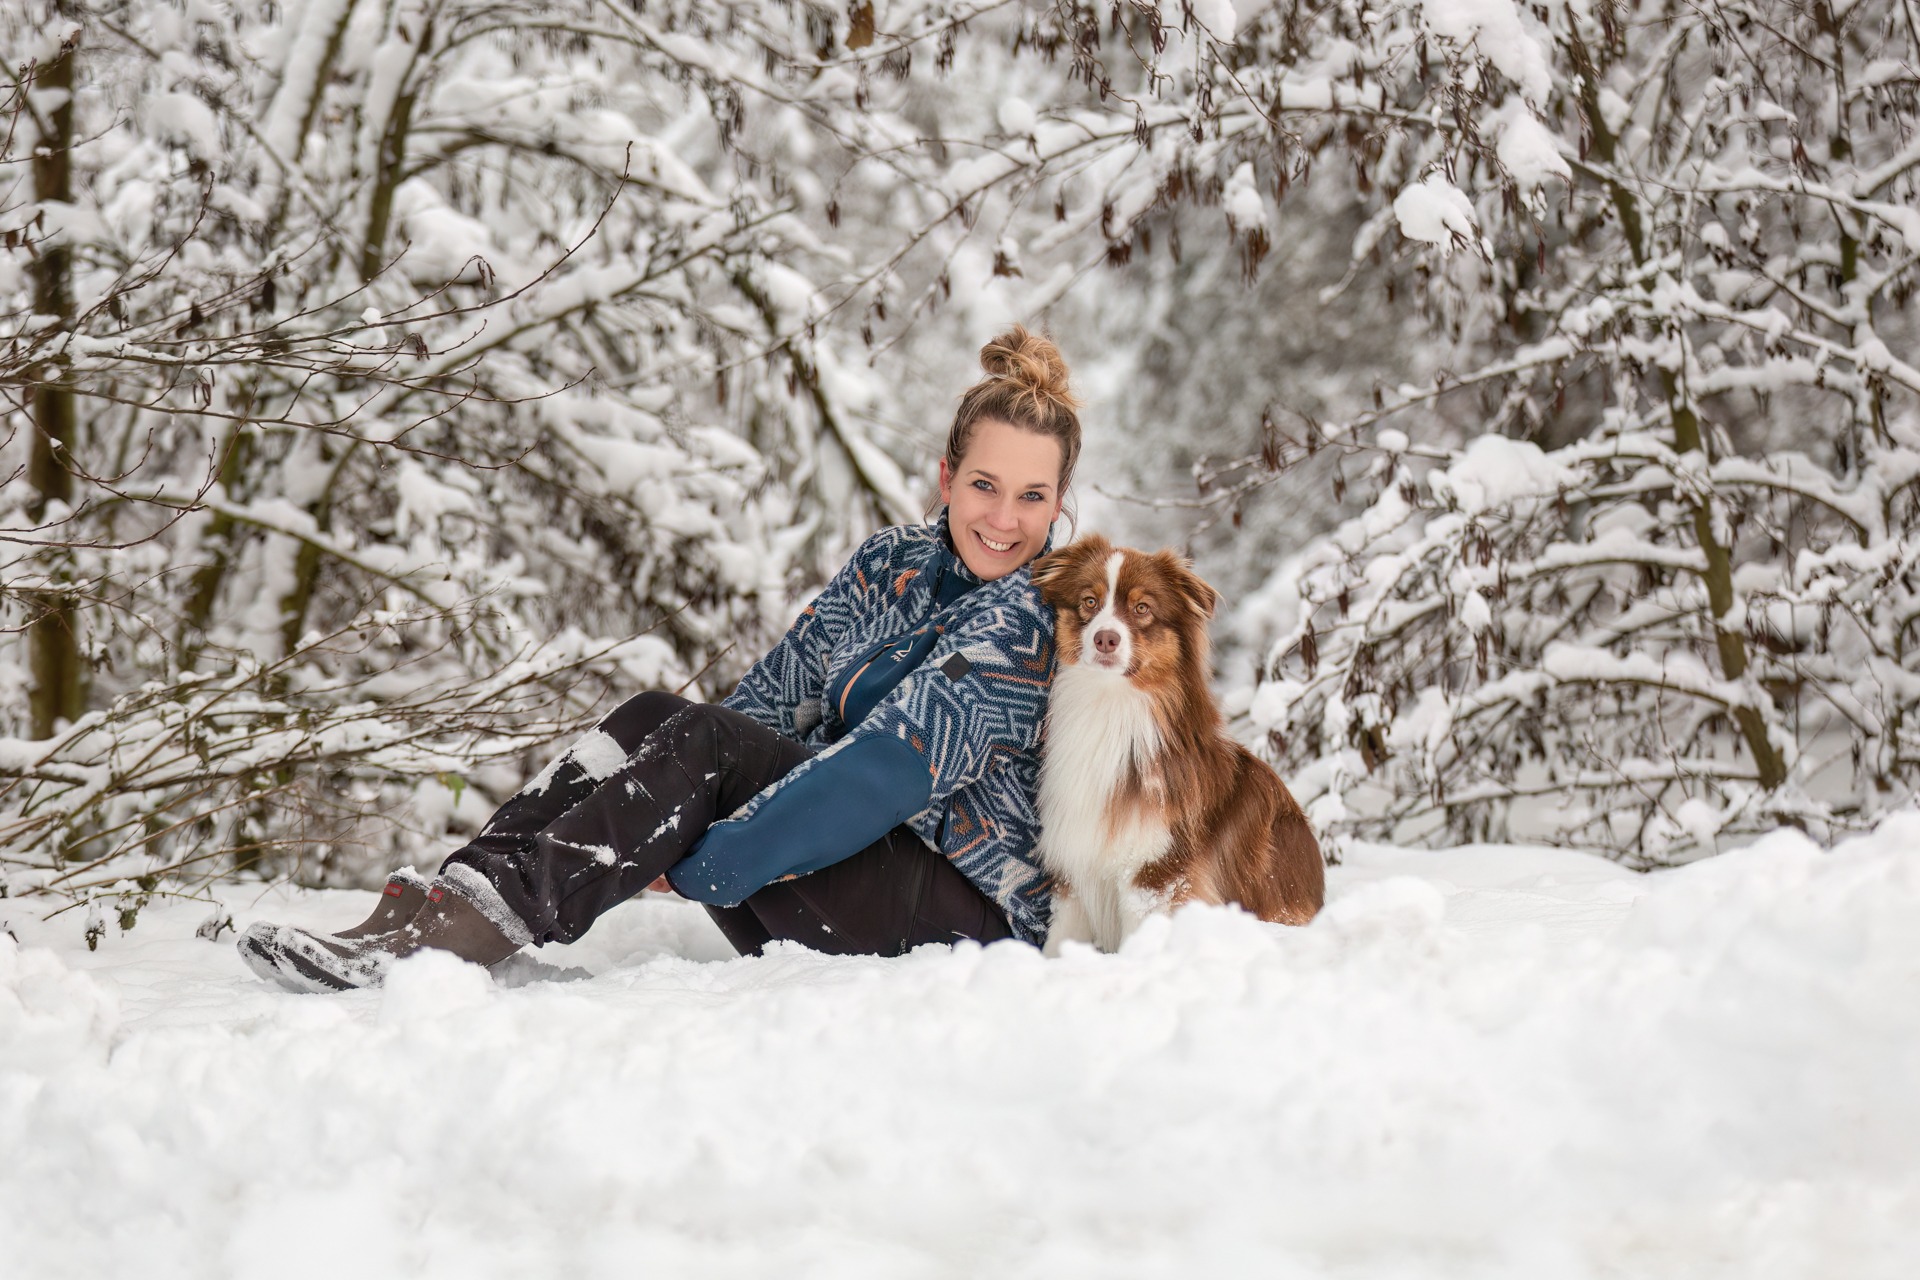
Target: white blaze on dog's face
1106	641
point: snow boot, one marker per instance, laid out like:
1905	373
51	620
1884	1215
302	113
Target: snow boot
462	913
400	900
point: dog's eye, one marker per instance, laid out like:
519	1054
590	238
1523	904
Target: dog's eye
1090	603
1143	610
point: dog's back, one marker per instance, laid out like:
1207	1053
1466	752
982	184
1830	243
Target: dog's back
1253	844
1226	827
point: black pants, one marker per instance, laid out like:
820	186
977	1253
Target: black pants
572	845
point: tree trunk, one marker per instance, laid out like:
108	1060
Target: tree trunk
57	687
1687	438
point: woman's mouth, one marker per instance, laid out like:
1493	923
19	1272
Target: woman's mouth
998	548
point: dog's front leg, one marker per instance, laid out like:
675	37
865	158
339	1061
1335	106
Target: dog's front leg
1070	922
1133	905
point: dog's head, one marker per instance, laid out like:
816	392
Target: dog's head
1134	613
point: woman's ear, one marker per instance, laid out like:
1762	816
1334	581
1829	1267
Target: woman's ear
946	483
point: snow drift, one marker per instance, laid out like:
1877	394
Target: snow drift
1491	1061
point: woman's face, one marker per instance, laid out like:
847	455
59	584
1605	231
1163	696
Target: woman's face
1002	499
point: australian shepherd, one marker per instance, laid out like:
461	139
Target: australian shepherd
1145	802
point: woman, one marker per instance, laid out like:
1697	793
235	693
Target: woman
868	787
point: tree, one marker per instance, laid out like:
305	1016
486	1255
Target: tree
1676	244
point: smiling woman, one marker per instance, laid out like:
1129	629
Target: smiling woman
1010	454
869	787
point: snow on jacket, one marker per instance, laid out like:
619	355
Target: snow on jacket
952	750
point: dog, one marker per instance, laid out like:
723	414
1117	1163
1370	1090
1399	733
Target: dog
1145	802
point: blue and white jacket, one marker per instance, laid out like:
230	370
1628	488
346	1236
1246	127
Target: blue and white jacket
952	749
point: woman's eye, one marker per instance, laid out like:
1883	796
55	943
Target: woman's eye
983	486
1033	496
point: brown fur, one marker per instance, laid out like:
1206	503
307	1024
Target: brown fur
1238	835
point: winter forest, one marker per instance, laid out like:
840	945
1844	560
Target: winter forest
391	386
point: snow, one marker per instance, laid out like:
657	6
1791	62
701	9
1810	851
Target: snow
598	754
306	60
1488	1061
1614	110
1434	210
1241	200
1218	17
1528	150
1498	30
186	119
1016	116
441	241
1493	470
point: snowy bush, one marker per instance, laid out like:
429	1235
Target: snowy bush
385	383
1675	249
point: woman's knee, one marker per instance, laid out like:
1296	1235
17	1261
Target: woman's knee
632	721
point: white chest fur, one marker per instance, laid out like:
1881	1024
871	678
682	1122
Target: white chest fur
1100	728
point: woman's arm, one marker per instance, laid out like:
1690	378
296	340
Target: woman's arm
783	690
981	692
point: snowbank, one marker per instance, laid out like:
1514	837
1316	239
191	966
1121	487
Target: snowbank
1486	1062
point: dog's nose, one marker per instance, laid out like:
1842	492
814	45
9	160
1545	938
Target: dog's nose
1106	640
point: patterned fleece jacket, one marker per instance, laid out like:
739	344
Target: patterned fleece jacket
952	750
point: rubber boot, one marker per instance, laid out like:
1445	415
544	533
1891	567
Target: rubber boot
400	900
461	914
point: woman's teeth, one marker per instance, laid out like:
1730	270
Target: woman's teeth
991	545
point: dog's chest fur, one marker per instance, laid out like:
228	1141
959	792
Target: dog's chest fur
1101	736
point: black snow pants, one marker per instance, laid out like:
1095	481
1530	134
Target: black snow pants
610	817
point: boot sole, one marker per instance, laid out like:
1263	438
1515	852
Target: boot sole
314	970
288	969
266	962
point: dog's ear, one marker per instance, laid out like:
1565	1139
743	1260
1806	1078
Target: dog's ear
1053	573
1195	591
1049	569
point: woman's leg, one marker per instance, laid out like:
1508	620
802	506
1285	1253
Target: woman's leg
510	833
885	900
694	768
638	813
742	928
413	913
635	820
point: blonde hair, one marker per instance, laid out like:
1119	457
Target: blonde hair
1026	387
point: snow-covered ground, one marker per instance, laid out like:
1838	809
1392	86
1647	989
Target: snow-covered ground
1484	1062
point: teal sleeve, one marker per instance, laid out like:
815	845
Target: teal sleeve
841	802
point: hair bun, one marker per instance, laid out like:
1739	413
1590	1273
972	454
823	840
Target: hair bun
1031	361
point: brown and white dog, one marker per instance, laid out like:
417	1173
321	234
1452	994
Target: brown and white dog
1145	802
